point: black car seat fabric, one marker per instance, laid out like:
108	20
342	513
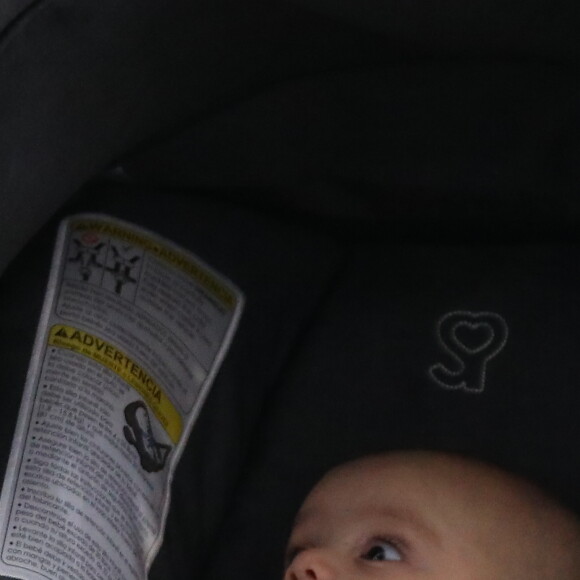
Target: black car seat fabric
83	83
394	189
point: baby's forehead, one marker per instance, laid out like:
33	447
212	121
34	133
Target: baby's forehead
456	482
402	467
418	479
437	467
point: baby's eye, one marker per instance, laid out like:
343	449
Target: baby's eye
383	551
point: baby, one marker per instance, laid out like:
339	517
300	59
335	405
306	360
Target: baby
428	515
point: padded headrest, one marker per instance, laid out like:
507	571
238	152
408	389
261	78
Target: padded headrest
83	83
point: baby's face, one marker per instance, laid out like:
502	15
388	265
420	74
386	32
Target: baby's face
417	516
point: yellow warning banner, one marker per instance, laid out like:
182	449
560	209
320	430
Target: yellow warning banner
109	355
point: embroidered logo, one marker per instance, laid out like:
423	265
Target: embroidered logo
472	339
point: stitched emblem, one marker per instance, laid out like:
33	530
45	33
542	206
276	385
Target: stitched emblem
472	339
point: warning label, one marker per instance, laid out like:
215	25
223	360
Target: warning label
132	333
109	355
169	255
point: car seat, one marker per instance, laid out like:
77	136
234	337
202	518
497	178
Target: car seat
393	188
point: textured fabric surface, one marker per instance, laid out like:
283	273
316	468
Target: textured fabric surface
406	115
83	83
409	145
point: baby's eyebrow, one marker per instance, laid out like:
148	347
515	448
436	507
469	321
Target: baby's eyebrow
303	516
396	514
408	516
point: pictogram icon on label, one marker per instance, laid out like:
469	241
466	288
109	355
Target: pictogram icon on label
139	432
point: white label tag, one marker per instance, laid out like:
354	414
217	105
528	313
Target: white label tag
132	333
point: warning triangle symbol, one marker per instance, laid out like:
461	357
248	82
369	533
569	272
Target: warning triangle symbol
61	332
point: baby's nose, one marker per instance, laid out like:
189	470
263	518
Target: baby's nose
312	564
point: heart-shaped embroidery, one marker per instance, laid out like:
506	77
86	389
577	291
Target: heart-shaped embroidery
472	337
